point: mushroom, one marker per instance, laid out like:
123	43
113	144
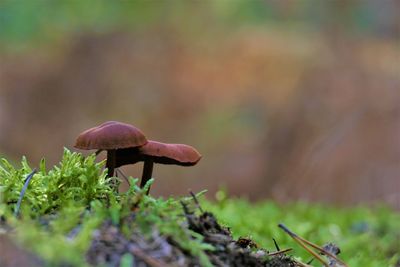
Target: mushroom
157	152
111	136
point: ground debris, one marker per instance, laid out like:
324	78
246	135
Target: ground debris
109	245
230	252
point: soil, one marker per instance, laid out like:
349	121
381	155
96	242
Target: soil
11	255
110	245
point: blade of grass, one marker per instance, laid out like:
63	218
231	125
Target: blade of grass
21	195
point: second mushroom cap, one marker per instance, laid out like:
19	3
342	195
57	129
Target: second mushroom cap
178	154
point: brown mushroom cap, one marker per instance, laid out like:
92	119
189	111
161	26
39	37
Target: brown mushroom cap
156	152
111	135
178	154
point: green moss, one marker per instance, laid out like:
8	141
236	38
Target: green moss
366	236
63	207
76	181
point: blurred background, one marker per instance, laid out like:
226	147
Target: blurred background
288	99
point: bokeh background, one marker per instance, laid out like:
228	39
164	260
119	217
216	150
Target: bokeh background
288	99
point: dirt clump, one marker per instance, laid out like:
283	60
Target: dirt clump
110	245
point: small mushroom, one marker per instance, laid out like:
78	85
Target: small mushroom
111	136
157	152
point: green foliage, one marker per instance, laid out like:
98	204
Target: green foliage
366	236
63	207
39	21
127	260
76	181
26	21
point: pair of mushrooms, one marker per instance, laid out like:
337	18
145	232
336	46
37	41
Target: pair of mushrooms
126	144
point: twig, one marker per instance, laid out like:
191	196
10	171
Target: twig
300	242
185	208
323	251
301	264
21	195
123	176
146	258
279	252
276	244
196	201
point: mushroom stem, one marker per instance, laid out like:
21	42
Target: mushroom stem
147	172
110	164
111	157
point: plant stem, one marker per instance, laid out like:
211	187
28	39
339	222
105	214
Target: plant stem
147	172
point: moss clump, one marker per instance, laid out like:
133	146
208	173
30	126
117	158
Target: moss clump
72	209
76	181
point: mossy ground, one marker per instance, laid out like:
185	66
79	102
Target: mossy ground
70	216
367	236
